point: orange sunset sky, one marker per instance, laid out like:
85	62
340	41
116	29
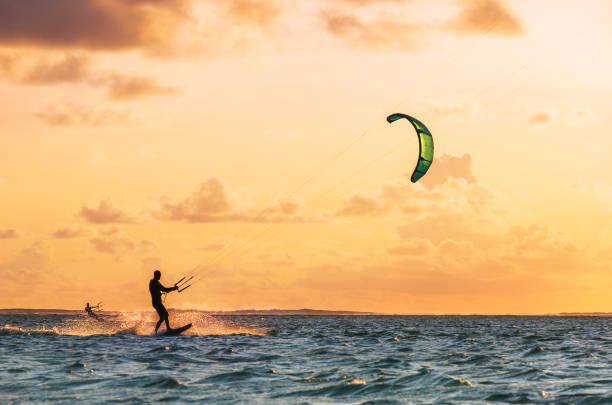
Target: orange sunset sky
245	141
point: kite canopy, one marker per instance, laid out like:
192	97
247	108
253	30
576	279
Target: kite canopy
426	146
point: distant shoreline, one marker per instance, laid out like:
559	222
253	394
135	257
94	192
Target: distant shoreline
288	312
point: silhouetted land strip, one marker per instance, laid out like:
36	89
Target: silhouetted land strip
280	312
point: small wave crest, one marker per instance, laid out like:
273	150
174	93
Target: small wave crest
205	324
165	382
15	330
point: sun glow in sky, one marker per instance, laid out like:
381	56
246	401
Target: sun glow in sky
245	141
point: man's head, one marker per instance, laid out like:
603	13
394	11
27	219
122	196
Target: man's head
87	304
157	274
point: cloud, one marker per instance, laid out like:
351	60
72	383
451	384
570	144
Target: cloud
486	16
145	247
449	166
113	230
465	228
91	24
367	2
80	115
287	206
106	212
449	180
255	12
8	233
532	238
438	112
581	116
149	264
125	87
213	201
453	210
539	118
68	232
72	68
116	246
209	202
213	247
381	33
76	68
535	248
452	268
516	261
272	259
412	247
26	267
593	194
569	116
425	217
159	28
361	205
7	65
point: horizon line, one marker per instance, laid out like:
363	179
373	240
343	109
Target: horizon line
331	311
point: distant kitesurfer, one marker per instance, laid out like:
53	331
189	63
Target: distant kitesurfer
90	310
156	289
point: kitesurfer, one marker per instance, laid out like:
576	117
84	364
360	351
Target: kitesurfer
156	289
90	310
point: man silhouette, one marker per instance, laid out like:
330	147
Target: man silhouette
156	289
90	311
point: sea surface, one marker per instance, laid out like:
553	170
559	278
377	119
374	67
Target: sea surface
68	358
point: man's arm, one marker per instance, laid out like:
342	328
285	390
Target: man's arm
166	289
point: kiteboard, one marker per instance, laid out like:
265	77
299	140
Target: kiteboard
177	331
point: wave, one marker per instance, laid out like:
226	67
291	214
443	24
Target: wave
138	324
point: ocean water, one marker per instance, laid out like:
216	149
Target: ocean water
307	359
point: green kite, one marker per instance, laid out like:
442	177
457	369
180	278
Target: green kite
426	146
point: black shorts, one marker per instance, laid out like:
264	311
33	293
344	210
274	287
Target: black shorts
161	311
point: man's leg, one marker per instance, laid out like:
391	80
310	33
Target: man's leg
160	312
165	312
